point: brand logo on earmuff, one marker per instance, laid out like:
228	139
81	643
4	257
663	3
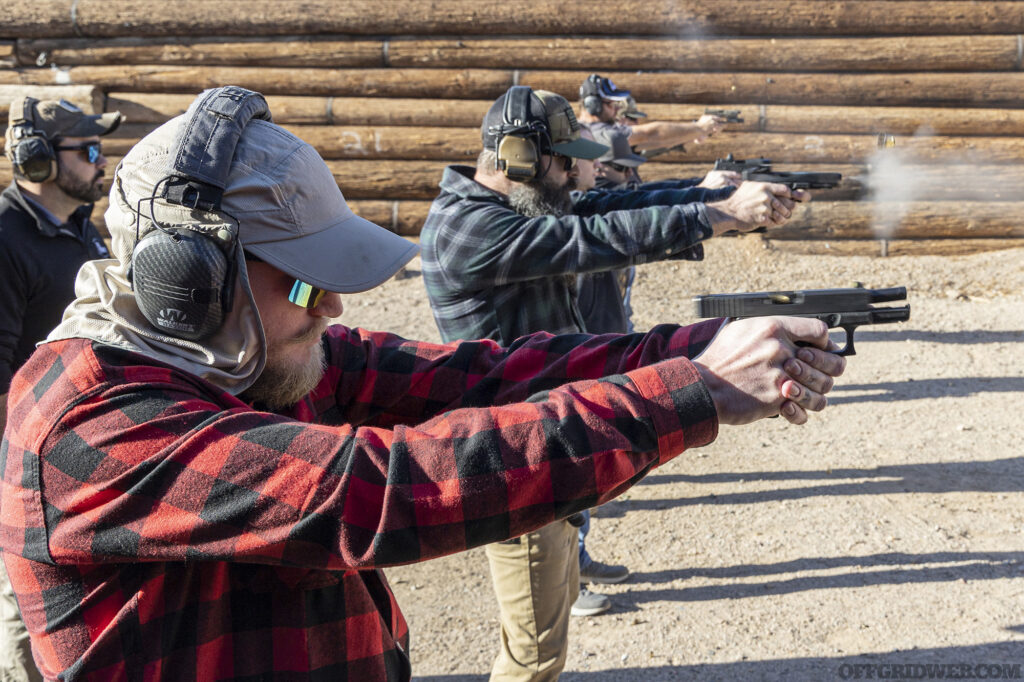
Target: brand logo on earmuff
172	318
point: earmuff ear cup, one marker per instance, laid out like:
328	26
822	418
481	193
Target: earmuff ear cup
518	148
180	277
33	159
518	158
184	276
593	104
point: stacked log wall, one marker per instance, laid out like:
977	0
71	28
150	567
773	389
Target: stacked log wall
390	93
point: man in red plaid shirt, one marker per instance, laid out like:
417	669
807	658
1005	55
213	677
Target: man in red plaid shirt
221	508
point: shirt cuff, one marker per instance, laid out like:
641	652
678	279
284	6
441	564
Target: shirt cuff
680	406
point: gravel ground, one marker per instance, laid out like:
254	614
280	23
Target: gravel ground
889	531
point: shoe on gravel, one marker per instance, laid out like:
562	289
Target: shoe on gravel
590	603
603	574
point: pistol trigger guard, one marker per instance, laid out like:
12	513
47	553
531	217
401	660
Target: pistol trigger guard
848	349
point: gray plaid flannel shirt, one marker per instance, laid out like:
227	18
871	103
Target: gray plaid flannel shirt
493	273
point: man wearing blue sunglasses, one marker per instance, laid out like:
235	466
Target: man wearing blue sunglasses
45	236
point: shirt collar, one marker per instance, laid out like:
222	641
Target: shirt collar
458	180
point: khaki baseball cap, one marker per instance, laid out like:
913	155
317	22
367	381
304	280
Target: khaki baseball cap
560	125
60	118
288	207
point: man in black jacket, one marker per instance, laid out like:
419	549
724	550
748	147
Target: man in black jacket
45	236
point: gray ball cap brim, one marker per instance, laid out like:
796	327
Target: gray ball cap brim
288	207
580	148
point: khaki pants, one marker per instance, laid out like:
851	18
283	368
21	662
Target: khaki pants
536	580
16	663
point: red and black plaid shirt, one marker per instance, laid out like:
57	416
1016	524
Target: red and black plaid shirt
154	525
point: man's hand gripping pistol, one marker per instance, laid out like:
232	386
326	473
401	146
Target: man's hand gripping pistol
844	309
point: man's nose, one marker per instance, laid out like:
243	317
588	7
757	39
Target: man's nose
330	306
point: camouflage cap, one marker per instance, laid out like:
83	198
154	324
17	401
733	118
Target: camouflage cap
60	118
560	124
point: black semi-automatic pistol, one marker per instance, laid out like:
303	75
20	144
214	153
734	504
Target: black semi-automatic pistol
730	115
844	309
760	170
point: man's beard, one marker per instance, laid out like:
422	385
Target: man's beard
282	383
539	197
75	187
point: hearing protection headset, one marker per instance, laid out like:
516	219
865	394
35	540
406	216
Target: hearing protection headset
521	137
591	91
29	151
183	275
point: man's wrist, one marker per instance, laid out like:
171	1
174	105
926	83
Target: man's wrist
721	221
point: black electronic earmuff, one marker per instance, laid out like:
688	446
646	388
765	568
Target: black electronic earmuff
183	275
30	153
593	103
519	138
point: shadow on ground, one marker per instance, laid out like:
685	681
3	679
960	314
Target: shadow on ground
997	660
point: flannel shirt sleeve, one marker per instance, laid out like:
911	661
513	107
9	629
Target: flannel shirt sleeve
383	379
494	246
596	202
152	468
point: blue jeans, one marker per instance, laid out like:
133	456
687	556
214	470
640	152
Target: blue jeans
581	534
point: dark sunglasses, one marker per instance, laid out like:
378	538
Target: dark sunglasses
568	162
93	150
615	166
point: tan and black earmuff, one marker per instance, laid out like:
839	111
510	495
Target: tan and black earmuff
29	151
519	145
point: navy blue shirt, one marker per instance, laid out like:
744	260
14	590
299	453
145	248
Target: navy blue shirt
38	264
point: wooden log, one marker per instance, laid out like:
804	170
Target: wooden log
8	57
978	89
355	142
441	83
402	217
109	18
387	179
88	97
910	89
813	148
903	220
906	53
901	121
141	107
896	247
305	51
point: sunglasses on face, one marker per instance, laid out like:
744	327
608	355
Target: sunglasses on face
615	166
568	162
93	150
302	294
305	295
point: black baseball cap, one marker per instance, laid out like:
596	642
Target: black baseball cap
604	88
